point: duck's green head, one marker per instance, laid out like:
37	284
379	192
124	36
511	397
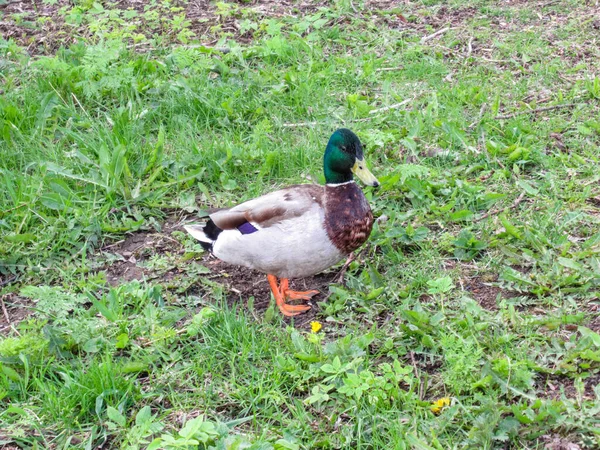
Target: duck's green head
343	157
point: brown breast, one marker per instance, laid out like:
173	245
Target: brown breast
348	217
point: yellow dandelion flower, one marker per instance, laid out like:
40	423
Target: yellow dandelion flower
315	327
440	404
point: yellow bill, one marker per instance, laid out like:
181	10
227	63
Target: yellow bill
364	174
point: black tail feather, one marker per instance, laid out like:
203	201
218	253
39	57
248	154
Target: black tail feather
206	246
212	232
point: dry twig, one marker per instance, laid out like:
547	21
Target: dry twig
469	47
5	312
300	124
352	257
364	119
8	281
389	69
492	212
340	276
479	117
416	372
534	111
113	245
395	106
434	35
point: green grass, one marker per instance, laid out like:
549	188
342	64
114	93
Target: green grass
480	281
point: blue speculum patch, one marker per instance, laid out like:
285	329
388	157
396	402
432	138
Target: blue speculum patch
247	228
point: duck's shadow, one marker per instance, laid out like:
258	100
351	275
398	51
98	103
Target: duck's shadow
243	283
130	255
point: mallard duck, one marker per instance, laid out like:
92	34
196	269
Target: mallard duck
300	230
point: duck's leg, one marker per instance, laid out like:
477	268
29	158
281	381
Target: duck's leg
295	295
278	293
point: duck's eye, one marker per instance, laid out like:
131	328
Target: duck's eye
343	147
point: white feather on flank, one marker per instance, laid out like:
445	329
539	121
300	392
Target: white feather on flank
198	232
293	248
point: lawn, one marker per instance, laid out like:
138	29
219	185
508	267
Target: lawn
470	319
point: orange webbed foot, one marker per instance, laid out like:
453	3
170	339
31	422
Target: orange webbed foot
282	293
300	295
293	310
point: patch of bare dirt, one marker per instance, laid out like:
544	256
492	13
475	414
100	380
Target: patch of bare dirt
553	387
556	442
13	310
207	23
135	248
483	291
124	272
245	283
34	24
550	18
594	201
240	283
422	21
41	28
428	363
594	314
451	16
8	446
